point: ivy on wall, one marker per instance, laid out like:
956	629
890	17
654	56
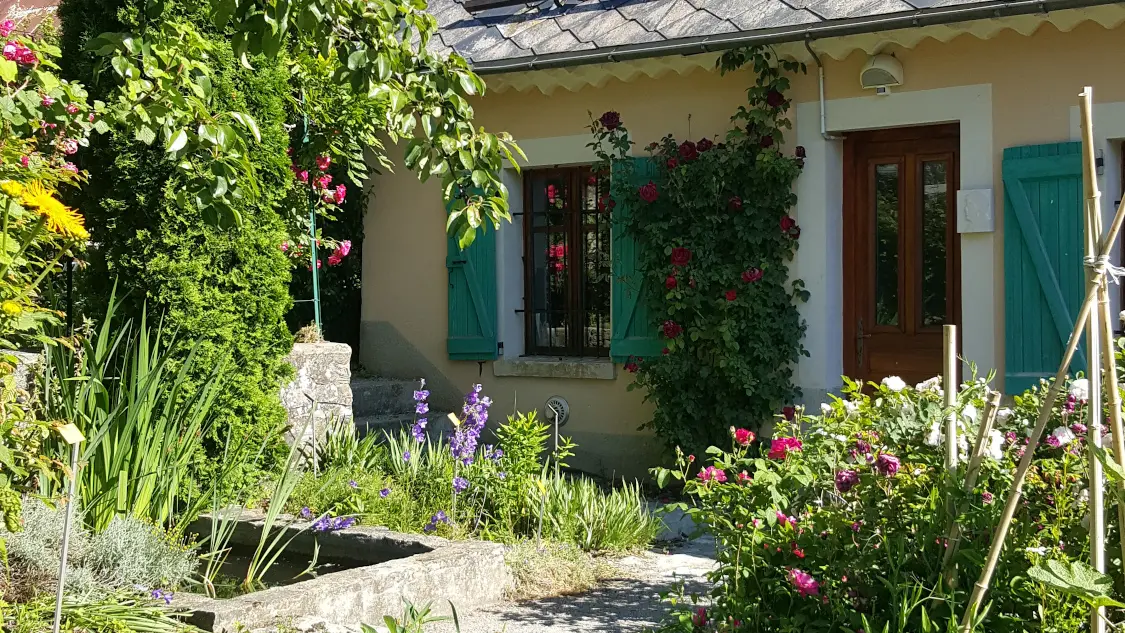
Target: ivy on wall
715	239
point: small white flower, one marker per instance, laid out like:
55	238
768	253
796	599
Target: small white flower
840	438
1084	496
930	384
851	406
917	472
825	408
937	434
1064	435
995	445
894	383
1003	414
1080	389
969	412
1036	550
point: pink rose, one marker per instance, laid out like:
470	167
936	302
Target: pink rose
70	146
340	194
322	162
72	108
6	28
47	101
648	192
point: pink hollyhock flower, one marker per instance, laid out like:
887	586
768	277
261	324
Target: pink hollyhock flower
25	160
340	194
322	162
72	108
6	28
344	248
743	436
333	259
781	447
71	167
806	585
47	101
324	180
70	146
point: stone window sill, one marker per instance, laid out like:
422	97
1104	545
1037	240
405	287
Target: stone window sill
555	367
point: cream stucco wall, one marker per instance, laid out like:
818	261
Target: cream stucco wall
1031	85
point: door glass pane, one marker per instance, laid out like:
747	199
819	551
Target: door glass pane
935	203
886	244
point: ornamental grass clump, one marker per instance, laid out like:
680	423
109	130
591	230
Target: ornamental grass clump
841	521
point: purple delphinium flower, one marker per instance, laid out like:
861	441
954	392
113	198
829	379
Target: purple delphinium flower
846	480
419	430
306	513
422	408
434	520
406	456
460	484
474	414
887	464
352	484
384	493
502	475
161	594
332	524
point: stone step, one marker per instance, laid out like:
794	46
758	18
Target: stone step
438	425
382	396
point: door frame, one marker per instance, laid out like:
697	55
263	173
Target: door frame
854	237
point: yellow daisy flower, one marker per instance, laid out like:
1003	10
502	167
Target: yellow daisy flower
12	188
61	219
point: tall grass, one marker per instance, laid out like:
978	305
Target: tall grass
144	421
577	510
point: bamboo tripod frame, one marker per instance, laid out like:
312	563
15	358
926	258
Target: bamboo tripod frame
1099	338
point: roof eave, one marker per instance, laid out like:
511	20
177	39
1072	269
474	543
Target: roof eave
834	28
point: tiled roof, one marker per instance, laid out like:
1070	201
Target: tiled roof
562	32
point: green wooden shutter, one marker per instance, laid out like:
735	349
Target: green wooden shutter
634	333
472	298
1043	249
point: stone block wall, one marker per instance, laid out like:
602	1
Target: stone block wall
323	376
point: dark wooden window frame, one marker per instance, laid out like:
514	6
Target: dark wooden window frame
574	228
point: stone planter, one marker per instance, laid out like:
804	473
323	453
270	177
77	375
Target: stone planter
323	376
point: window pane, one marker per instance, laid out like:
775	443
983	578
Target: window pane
935	211
886	244
595	273
549	290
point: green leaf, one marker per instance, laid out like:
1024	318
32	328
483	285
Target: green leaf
176	141
249	122
221	10
8	70
145	134
1075	578
382	68
466	158
357	60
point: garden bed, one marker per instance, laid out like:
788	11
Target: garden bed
394	567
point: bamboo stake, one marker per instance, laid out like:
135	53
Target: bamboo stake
991	406
1113	403
981	586
949	382
1094	353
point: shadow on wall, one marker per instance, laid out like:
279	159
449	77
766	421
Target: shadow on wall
386	353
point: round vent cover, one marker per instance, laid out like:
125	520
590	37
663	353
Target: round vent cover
557	410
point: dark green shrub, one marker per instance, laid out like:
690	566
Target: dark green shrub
226	287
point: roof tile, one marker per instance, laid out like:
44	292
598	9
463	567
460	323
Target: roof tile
562	43
631	32
695	24
648	13
769	14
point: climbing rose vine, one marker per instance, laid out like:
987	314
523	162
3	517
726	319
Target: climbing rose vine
715	236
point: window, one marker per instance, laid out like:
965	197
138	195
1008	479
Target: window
567	263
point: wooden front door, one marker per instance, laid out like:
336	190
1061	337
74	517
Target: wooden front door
901	252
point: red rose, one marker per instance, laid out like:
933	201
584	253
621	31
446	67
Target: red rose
552	192
800	151
752	275
731	295
672	162
670	282
688	151
680	256
743	436
592	180
735	202
704	144
672	329
789	412
631	367
648	192
774	99
611	120
767	141
787	223
665	351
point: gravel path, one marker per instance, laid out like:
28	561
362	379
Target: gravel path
627	604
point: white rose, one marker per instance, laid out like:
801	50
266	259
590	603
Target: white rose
825	408
851	407
995	445
840	438
1003	414
1064	435
930	384
1080	389
937	434
969	412
894	383
1037	550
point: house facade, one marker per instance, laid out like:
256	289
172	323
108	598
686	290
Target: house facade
944	188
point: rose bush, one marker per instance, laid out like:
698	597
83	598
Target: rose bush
707	235
842	522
